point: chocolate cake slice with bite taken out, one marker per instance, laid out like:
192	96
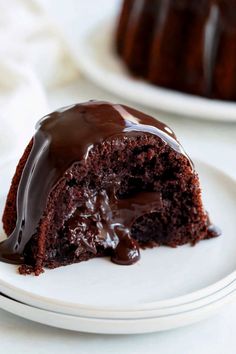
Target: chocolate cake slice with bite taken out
100	179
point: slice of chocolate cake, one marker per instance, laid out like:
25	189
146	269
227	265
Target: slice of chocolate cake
100	179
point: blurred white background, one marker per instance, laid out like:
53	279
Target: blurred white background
39	73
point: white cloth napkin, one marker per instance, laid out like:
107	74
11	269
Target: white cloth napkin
22	102
33	58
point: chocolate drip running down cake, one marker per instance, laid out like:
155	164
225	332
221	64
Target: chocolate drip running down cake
100	179
184	45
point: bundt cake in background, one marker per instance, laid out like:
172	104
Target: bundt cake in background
100	179
184	45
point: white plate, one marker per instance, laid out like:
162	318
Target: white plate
187	282
106	326
97	59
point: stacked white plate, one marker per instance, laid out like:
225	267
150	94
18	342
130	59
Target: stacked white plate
167	288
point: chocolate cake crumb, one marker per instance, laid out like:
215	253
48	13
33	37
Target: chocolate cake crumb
99	179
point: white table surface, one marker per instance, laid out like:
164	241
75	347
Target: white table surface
213	142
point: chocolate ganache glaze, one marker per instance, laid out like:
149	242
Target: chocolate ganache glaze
66	137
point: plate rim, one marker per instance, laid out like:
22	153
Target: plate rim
101	325
186	105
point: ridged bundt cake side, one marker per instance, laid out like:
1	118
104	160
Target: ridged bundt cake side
183	45
224	68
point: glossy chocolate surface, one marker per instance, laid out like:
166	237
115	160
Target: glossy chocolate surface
66	137
184	45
